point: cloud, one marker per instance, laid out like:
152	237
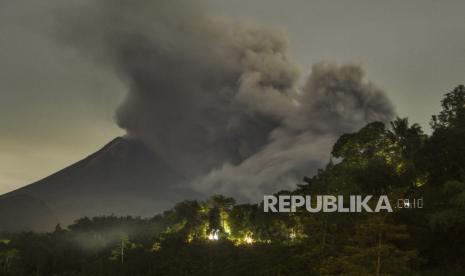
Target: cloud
334	100
219	100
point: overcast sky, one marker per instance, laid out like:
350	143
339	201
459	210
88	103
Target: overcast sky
56	106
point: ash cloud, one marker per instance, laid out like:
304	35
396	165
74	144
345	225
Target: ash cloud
219	100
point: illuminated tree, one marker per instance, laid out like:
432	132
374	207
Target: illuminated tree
221	207
119	252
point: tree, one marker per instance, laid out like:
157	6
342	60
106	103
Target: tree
443	156
119	252
452	114
220	208
373	250
447	222
7	256
408	137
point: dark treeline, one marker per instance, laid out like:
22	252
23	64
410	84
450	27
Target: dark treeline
220	237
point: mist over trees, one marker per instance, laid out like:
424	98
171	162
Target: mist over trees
220	237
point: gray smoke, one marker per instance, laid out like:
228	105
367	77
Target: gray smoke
219	100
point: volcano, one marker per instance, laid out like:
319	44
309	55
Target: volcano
123	178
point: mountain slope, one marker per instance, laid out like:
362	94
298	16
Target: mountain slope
122	178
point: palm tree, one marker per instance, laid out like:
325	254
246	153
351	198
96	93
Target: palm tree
408	138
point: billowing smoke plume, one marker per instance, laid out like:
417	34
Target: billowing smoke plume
219	100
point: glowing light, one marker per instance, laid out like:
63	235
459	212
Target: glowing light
214	235
248	239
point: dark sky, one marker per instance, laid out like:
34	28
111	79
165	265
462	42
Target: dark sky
57	106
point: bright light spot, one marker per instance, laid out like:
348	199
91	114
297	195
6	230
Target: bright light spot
248	239
214	235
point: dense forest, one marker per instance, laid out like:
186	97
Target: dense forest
220	237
